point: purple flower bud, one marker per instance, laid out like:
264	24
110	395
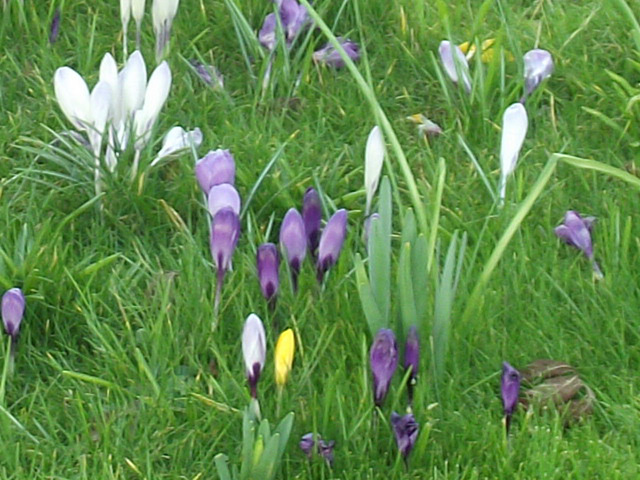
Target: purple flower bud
225	230
54	31
538	65
13	304
267	34
306	444
223	196
268	261
294	242
576	231
331	242
384	360
509	388
215	168
325	449
294	17
328	55
312	216
405	430
254	348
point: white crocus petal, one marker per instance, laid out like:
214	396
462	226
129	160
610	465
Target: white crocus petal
454	61
155	97
373	158
137	10
125	14
100	107
176	140
514	129
222	196
109	74
254	345
72	94
163	12
133	83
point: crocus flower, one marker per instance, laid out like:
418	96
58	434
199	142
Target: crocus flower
306	444
208	74
13	304
412	359
137	11
425	126
328	55
285	348
225	230
324	449
125	16
223	196
576	231
312	217
331	242
254	348
215	168
373	158
405	429
267	34
268	262
384	360
163	13
54	31
509	388
293	18
293	240
177	140
538	65
514	129
455	62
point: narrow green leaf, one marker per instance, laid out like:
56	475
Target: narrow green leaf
268	463
380	253
221	461
408	312
420	278
599	167
284	430
369	305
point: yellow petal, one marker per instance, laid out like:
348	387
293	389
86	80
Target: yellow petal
285	348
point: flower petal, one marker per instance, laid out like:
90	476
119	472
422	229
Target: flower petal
373	158
73	97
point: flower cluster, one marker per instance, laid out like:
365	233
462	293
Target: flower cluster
162	12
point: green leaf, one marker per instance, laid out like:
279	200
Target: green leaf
221	461
248	440
284	430
369	305
266	467
420	278
408	312
380	253
409	231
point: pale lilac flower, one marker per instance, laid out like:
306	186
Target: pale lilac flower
454	61
222	196
215	168
538	65
267	34
13	303
293	18
225	230
384	360
405	429
162	13
293	240
331	242
576	231
254	349
328	55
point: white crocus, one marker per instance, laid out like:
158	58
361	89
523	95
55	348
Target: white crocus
176	140
132	82
137	10
100	107
514	129
455	63
254	349
373	158
163	13
73	97
125	16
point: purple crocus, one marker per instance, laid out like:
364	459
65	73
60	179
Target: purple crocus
405	429
293	240
412	359
538	65
54	31
331	242
254	348
222	196
455	64
384	360
208	74
225	230
268	261
576	231
13	303
215	168
328	55
293	18
509	388
267	34
312	216
324	449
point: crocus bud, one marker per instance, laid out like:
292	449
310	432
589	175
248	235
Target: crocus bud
225	230
509	388
324	449
306	444
538	65
254	348
329	56
454	61
215	168
514	129
412	359
384	360
176	140
268	262
405	430
373	158
54	30
73	97
294	17
331	242
13	303
294	242
163	13
312	216
267	34
285	348
576	231
222	196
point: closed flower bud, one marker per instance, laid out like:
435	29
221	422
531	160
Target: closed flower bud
384	360
225	230
268	261
13	303
455	62
509	389
312	216
285	348
405	430
215	168
293	240
254	348
538	65
223	196
331	242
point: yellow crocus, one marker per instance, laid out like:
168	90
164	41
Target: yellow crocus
487	51
285	348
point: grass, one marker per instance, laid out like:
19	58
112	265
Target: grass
118	374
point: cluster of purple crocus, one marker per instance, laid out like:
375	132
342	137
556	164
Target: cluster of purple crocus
299	234
215	173
294	18
13	303
384	361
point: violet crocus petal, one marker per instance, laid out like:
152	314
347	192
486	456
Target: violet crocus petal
268	261
293	239
215	168
412	352
576	232
54	31
384	360
294	17
306	444
331	241
13	303
267	34
405	429
454	61
538	65
325	449
328	55
223	196
312	216
225	229
509	388
254	348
